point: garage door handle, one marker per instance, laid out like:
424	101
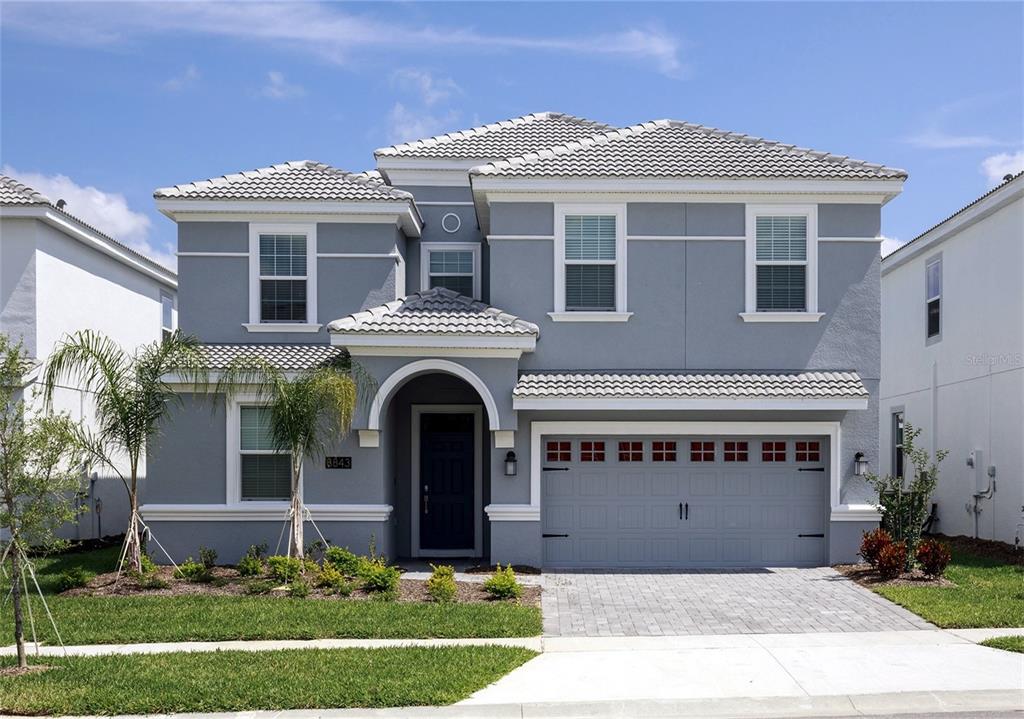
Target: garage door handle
811	469
554	469
549	536
810	535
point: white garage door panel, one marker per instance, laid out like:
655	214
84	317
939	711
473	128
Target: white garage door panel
683	513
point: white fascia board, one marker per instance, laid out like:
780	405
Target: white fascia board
653	403
512	512
424	340
435	352
262	511
90	237
427	177
958	223
855	513
395	162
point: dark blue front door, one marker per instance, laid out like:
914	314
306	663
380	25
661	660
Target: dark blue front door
446	481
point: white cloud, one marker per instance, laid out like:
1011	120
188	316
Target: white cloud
106	211
998	166
890	245
277	88
934	139
405	124
186	79
430	89
320	29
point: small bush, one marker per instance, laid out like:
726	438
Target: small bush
285	569
379	578
152	581
934	557
333	580
316	549
73	579
343	560
503	584
192	571
148	565
872	544
892	560
207	557
249	566
441	586
299	589
259	586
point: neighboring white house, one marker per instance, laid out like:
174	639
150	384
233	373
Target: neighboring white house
60	275
953	361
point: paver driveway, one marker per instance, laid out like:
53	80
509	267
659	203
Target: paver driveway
601	603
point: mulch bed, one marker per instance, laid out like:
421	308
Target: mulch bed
225	581
867	576
524	569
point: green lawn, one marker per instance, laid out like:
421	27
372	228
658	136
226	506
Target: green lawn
108	620
240	681
1010	644
988	593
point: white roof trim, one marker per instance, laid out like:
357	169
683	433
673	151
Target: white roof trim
685	403
526	343
888	187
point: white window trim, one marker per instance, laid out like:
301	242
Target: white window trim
427	247
174	312
233	463
620	314
810	314
254	324
929	298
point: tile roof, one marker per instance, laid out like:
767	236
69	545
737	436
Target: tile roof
673	149
13	192
703	385
285	357
299	180
435	311
500	139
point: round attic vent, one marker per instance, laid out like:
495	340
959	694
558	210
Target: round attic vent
451	223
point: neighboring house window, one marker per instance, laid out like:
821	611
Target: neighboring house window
282	266
933	301
590	260
631	451
897	444
808	451
455	266
663	451
782	274
265	472
591	451
773	451
702	451
736	452
559	452
166	316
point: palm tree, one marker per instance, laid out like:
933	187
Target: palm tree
132	393
309	411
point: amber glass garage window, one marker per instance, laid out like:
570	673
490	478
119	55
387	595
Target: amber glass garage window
559	451
663	451
736	452
591	451
773	451
702	451
808	451
631	451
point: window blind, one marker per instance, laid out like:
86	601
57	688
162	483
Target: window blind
590	237
590	287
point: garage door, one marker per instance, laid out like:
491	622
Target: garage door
685	501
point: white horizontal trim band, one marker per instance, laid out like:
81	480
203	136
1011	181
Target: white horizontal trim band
682	238
445	203
512	512
590	316
420	351
855	513
683	403
850	239
281	327
359	255
212	254
781	316
519	237
426	340
265	511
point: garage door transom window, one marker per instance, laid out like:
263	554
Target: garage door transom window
736	452
808	451
559	451
663	451
702	451
773	451
591	451
631	451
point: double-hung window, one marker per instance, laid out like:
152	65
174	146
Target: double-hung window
897	444
933	297
265	472
781	264
166	316
282	268
590	263
455	266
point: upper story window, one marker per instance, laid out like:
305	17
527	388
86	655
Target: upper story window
166	316
590	263
897	444
782	275
455	266
282	267
265	472
933	297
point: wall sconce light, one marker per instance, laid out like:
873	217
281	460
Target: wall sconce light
510	464
860	464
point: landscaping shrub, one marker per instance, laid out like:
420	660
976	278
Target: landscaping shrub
333	580
148	565
285	569
933	556
207	557
441	585
249	566
192	571
299	589
343	560
379	578
503	584
872	544
259	586
892	560
152	581
73	579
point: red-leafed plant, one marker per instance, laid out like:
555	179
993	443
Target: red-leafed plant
892	560
934	557
872	544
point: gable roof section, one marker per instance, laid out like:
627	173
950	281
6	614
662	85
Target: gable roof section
499	139
670	149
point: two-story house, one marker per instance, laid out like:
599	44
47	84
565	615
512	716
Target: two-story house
59	275
594	347
953	361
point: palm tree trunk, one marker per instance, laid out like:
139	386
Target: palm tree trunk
19	629
133	536
298	512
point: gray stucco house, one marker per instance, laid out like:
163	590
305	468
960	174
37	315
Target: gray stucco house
595	347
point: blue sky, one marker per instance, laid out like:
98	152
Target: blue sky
103	103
